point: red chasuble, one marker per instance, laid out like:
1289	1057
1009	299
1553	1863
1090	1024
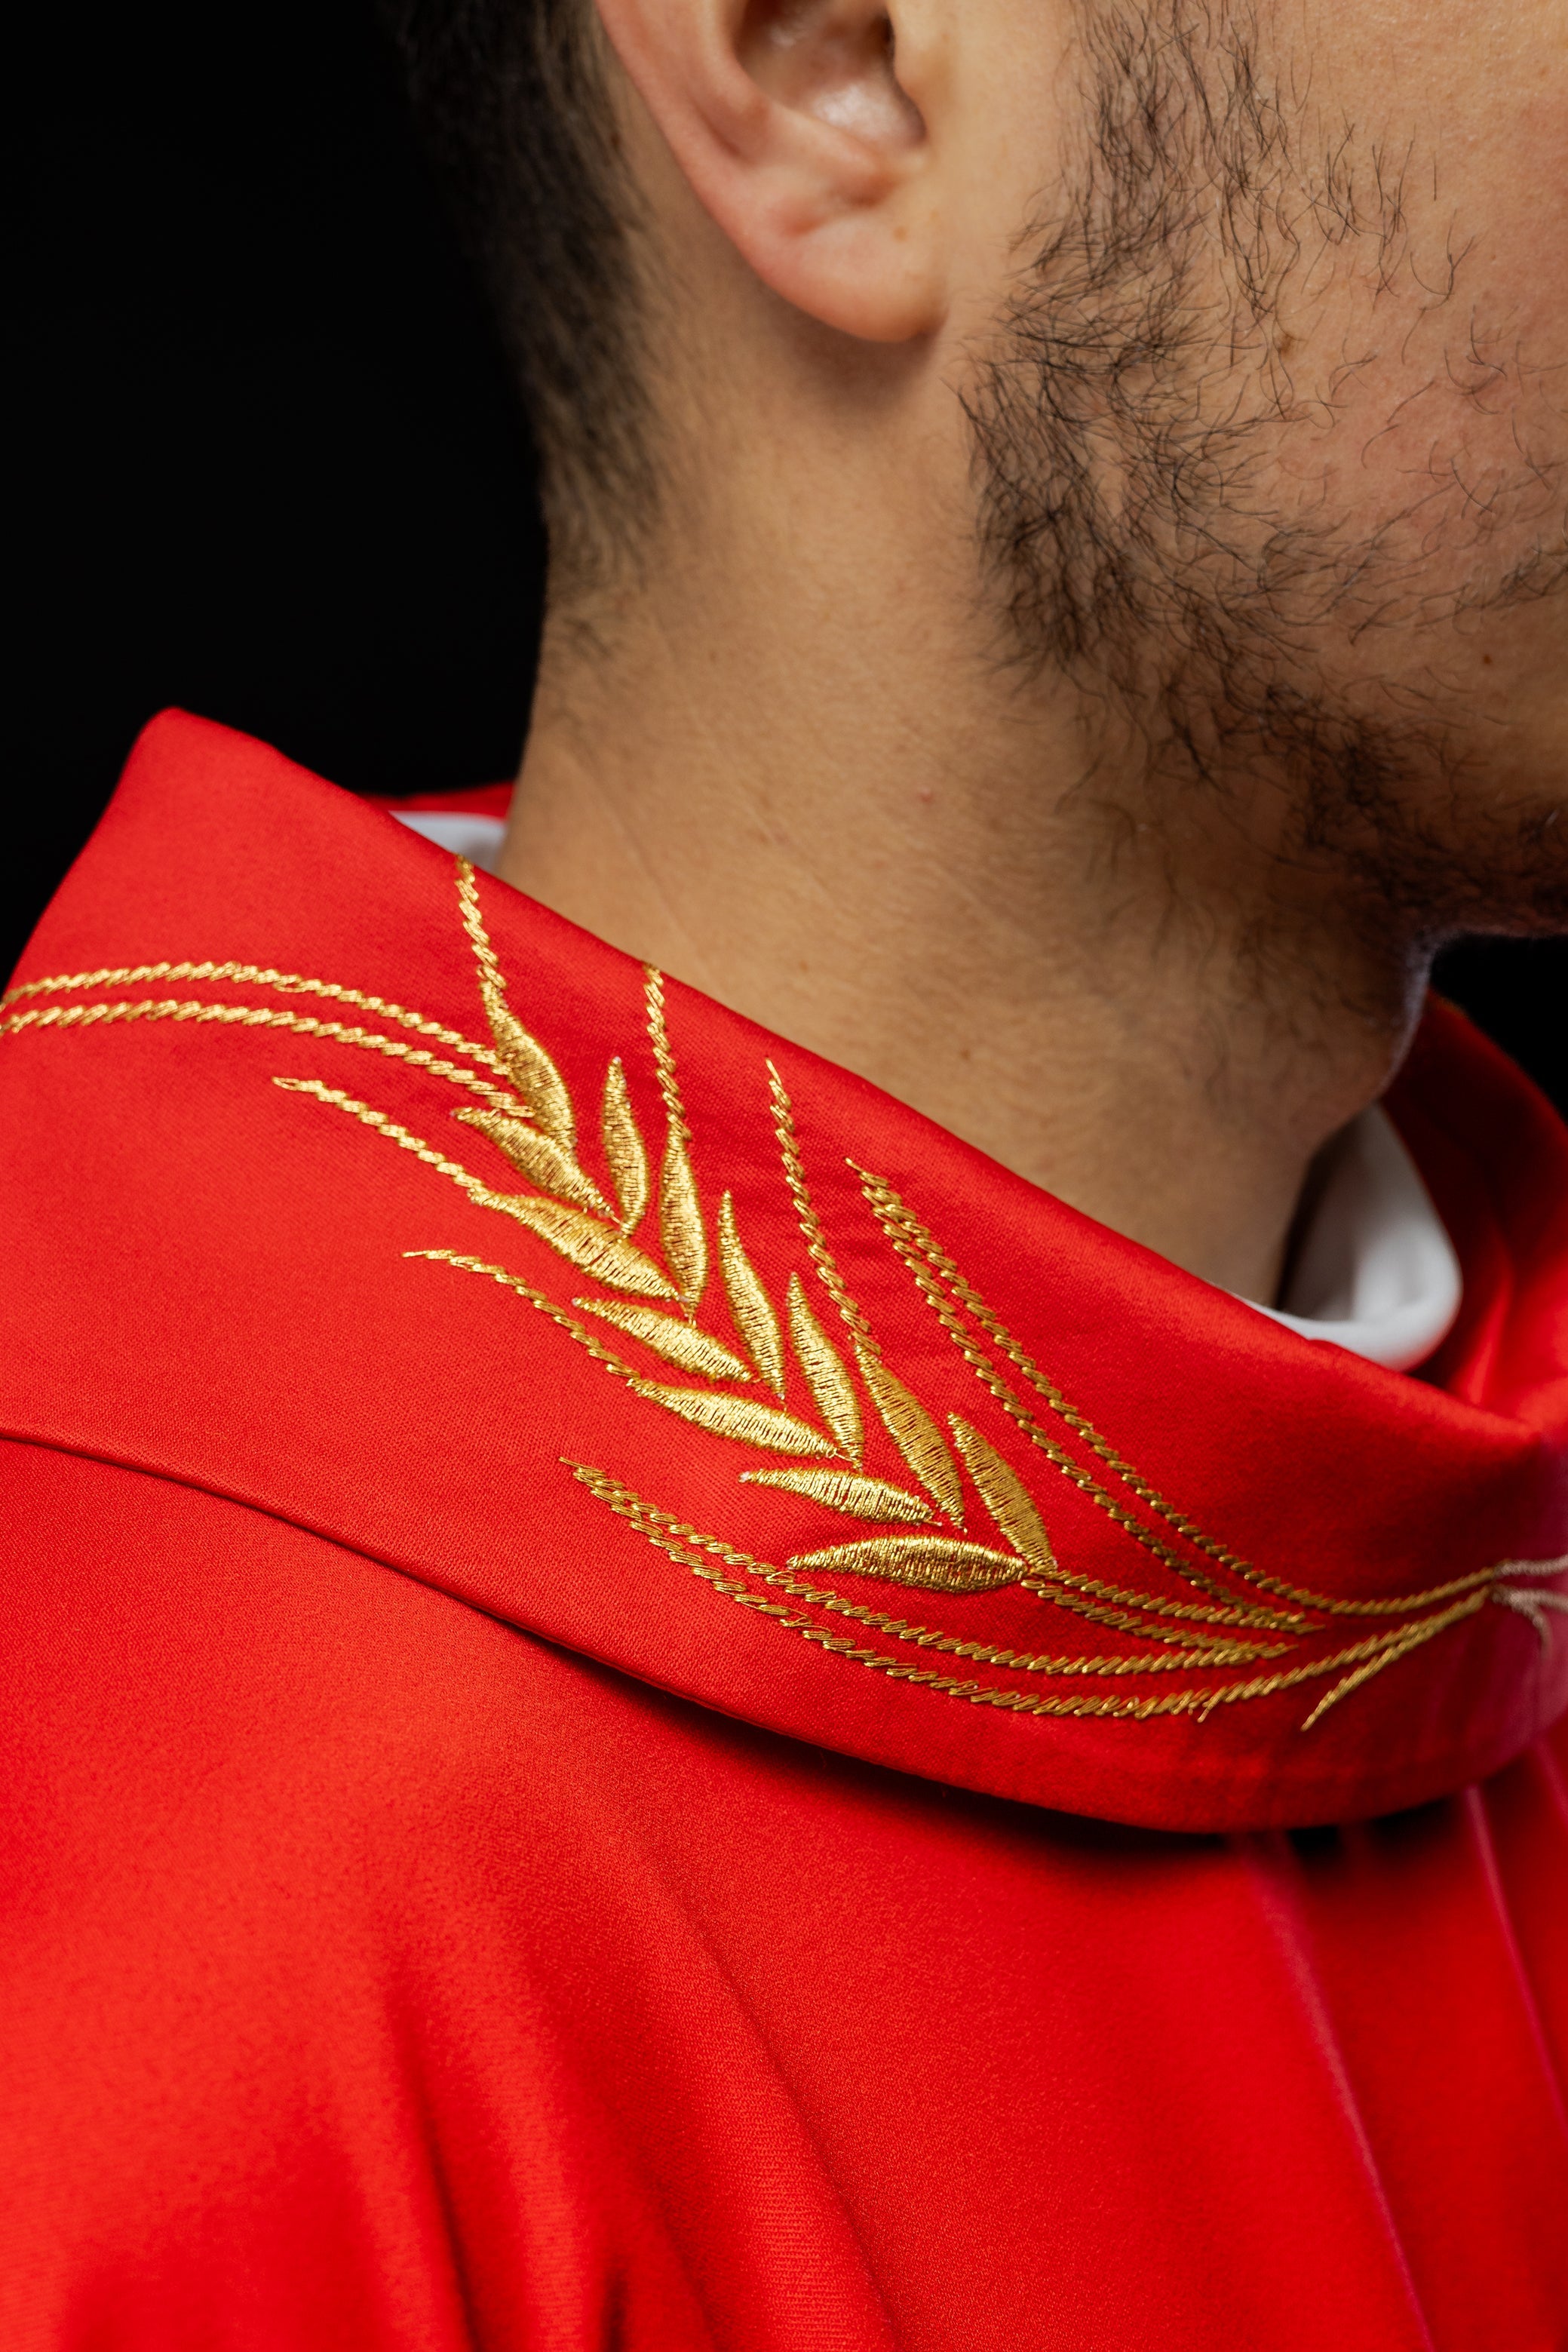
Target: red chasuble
650	1705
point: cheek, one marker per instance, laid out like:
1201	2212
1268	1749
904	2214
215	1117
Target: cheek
1428	354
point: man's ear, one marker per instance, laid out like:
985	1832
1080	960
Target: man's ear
797	125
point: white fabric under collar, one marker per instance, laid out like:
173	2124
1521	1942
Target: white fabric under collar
1375	1272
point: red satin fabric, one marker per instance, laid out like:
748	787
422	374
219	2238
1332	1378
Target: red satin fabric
396	1954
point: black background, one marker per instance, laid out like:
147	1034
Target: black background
269	464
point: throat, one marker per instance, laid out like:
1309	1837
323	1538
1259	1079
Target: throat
1011	959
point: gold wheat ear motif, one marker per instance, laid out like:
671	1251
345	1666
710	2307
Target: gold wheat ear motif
646	1295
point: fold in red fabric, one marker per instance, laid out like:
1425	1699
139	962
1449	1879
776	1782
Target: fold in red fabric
650	1705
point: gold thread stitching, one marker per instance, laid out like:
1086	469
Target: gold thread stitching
1376	1649
811	1233
1004	1494
663	1060
536	1156
606	1251
625	1153
592	1248
632	1507
844	1490
287	983
527	1064
910	1426
947	1315
825	1375
936	1563
913	1432
676	1340
681	1228
728	1416
921	1239
260	1016
751	1307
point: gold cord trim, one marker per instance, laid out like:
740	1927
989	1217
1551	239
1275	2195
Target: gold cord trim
670	1534
592	1248
206	1010
898	1221
1368	1656
287	983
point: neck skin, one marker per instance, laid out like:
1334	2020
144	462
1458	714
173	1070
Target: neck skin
787	769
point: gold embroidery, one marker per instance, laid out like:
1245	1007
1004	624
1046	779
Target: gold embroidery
1374	1654
624	1153
1006	1497
749	1302
806	1215
678	1342
259	1016
287	984
908	1423
508	1281
940	1563
531	1124
825	1375
663	1060
670	1535
542	1161
843	1490
530	1068
592	1248
681	1227
913	1433
909	1236
742	1417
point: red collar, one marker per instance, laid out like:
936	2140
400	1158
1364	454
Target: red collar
378	1197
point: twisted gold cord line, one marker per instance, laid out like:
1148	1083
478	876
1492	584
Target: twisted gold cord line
811	1226
899	1221
256	1016
752	1424
579	1331
1224	1606
648	1519
491	980
1379	1649
251	975
664	1058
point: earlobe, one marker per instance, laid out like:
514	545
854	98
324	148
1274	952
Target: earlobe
801	139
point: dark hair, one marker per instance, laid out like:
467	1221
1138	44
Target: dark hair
512	98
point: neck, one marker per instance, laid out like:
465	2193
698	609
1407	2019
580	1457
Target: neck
893	861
